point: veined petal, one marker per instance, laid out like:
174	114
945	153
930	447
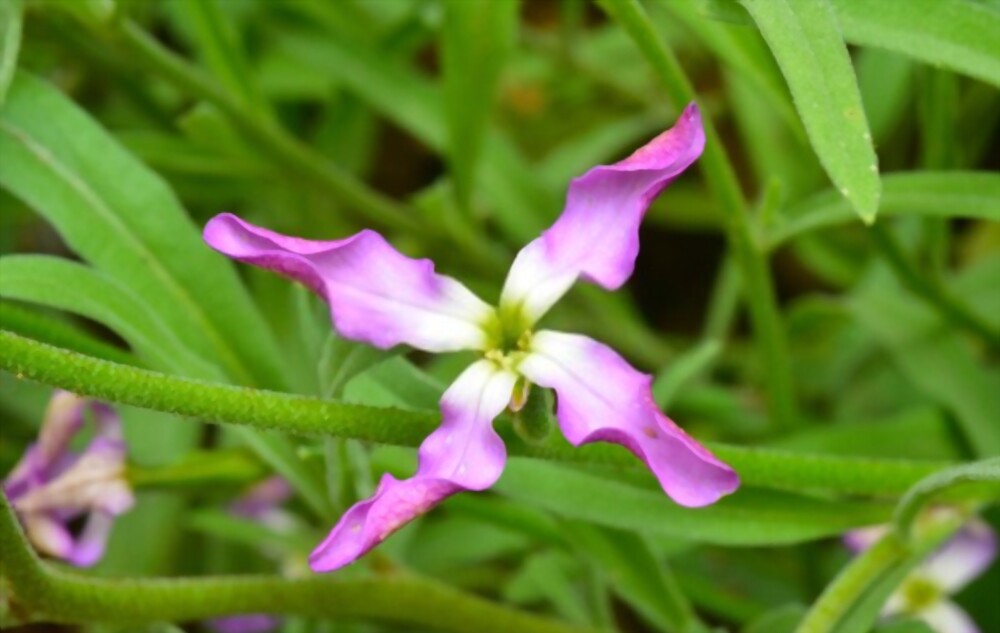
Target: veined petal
464	453
600	397
964	557
375	294
597	235
948	617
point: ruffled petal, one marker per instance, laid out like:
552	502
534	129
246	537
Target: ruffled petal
965	556
375	294
597	235
601	398
464	453
948	617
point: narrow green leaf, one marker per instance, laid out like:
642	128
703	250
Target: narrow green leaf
933	356
683	369
218	46
960	35
125	221
476	39
948	194
279	453
635	573
11	20
985	471
66	285
58	332
806	41
748	517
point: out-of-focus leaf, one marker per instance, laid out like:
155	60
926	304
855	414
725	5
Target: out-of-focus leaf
635	573
394	383
960	35
886	83
953	194
279	453
127	223
784	619
750	517
805	39
56	331
11	20
218	45
66	285
935	358
476	38
414	104
549	576
683	369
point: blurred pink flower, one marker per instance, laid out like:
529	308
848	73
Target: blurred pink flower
924	594
52	486
379	296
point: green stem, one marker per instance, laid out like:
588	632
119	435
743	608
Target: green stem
281	147
211	402
931	293
41	592
722	180
888	559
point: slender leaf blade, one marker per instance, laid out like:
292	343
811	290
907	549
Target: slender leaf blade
806	41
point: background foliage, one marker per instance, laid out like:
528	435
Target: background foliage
818	296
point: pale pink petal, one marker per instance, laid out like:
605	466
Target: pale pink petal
47	534
464	453
601	398
597	235
88	548
861	539
964	557
375	294
947	617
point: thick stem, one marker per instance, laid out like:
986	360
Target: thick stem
721	178
213	402
41	592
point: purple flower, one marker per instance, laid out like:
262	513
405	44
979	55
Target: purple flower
924	593
52	486
384	298
254	623
262	500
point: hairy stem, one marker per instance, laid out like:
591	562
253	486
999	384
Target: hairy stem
40	592
212	402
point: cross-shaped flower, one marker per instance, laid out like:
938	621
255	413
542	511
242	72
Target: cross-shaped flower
52	486
384	298
925	591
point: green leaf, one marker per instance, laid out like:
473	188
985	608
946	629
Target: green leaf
126	222
985	471
476	39
58	332
11	20
218	46
749	517
635	573
683	369
949	194
806	41
783	619
960	35
66	285
935	358
280	454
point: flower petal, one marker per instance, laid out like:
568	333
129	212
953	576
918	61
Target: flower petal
89	545
375	294
964	557
597	235
601	398
862	538
948	617
464	453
